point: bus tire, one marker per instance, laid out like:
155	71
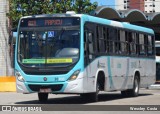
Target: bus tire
93	97
132	92
135	91
124	93
43	97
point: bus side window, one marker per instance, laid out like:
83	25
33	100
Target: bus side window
127	41
85	42
141	44
106	39
133	44
146	44
116	42
149	39
111	39
122	41
153	45
100	39
90	42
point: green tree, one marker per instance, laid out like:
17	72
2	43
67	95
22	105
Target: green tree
19	8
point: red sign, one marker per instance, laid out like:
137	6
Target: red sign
53	22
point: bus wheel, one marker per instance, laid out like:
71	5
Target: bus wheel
94	96
124	93
43	97
132	92
135	91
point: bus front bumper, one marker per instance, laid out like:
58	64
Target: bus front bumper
75	86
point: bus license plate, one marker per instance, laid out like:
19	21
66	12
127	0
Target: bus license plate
45	90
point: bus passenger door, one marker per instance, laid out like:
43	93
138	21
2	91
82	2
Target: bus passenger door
88	61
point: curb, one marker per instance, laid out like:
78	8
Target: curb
7	84
155	86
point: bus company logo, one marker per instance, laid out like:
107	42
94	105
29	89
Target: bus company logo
45	79
6	108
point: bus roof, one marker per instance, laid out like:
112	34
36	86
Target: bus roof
52	15
124	25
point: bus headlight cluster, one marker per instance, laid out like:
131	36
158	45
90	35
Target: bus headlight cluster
74	75
19	76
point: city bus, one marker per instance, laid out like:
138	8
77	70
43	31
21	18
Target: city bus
157	46
82	54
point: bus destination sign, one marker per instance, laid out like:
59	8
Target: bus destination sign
46	22
42	22
53	22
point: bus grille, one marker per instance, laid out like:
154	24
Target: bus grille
57	87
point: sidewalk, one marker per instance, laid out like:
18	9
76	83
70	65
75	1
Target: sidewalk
154	86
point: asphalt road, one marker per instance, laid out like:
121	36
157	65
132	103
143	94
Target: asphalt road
146	97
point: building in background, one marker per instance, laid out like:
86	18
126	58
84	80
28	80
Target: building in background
136	4
5	65
152	6
146	6
129	4
121	4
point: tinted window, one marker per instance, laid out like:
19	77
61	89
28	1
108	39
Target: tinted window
133	44
122	41
112	37
100	39
141	44
150	51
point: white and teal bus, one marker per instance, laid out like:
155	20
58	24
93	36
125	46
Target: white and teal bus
82	54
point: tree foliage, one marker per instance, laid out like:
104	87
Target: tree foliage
19	8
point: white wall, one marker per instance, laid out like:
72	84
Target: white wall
149	8
120	5
157	5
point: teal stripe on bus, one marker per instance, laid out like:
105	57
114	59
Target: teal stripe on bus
109	72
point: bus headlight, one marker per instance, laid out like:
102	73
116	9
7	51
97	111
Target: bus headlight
74	75
19	76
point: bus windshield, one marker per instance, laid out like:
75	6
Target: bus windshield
48	46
